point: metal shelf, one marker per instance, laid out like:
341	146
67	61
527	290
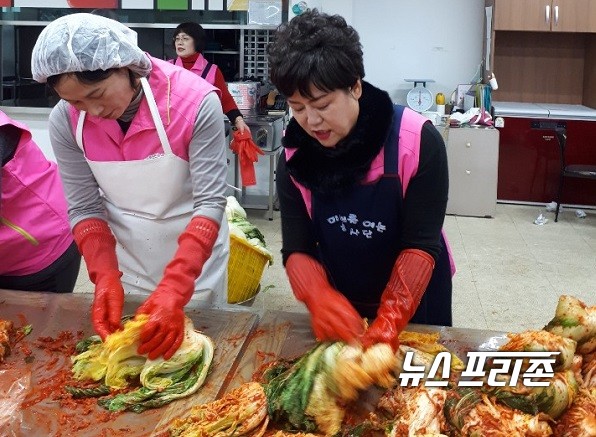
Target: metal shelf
150	25
222	52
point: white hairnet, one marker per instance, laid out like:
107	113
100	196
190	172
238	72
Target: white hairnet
86	42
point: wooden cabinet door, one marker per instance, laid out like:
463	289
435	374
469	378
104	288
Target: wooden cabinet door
573	16
530	15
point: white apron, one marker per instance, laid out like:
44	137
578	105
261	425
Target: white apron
149	204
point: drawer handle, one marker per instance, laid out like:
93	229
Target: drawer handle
468	144
468	172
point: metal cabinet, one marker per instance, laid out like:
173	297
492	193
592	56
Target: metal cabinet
267	131
473	158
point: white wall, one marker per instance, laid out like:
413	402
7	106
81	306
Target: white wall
416	39
39	132
36	119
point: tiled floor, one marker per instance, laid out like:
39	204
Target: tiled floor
510	271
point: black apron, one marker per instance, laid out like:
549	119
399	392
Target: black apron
359	235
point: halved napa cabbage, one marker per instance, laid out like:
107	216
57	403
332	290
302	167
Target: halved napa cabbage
116	363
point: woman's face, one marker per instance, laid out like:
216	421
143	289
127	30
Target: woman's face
327	116
108	98
185	45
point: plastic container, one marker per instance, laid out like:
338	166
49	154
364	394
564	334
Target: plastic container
245	94
245	270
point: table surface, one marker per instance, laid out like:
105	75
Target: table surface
52	313
244	342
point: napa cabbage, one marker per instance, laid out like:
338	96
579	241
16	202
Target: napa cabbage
241	228
309	394
116	364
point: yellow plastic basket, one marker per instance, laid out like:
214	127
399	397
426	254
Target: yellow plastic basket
245	269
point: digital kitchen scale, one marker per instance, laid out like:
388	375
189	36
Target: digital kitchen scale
420	98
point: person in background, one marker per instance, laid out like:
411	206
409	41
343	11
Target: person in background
37	251
362	187
141	150
189	42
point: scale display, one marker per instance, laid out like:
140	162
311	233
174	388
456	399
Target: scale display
420	98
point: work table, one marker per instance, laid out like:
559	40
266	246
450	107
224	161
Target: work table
245	340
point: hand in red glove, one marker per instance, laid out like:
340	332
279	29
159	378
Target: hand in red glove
409	278
332	316
248	153
98	247
164	332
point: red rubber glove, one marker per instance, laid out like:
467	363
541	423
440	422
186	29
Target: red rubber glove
248	153
409	278
163	333
332	316
98	247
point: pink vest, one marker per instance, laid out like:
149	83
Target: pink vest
178	95
198	68
408	152
34	227
408	158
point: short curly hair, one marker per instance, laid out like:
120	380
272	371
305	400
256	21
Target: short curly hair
195	31
315	49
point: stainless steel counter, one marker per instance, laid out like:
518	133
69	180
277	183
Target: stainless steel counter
16	111
267	131
544	110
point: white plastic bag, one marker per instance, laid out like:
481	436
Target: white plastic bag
14	386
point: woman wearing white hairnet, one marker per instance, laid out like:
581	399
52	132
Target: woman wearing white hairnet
140	147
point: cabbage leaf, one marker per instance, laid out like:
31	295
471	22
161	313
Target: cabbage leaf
116	364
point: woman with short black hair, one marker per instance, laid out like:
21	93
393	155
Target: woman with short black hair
362	187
